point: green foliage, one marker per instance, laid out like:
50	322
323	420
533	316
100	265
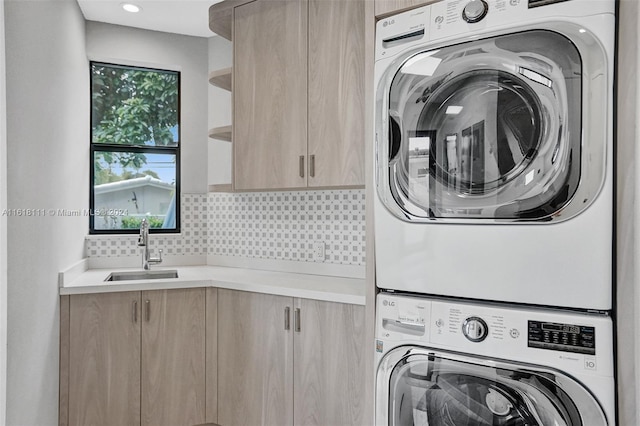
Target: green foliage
134	222
132	106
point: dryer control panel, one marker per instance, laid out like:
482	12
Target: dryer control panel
464	20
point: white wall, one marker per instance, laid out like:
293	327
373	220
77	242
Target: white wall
220	56
3	226
628	215
125	45
47	147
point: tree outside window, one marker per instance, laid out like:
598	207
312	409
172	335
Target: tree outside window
135	140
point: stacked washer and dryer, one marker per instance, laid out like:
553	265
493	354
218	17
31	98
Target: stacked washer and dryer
493	215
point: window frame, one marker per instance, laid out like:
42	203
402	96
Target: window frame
168	150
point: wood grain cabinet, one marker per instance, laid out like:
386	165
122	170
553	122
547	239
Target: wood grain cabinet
104	359
270	94
289	361
298	93
134	358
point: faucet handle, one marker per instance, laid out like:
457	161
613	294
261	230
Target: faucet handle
156	260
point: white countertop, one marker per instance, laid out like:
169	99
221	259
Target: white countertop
317	287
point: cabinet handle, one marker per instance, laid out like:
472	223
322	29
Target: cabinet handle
312	166
135	311
302	166
287	318
147	306
296	320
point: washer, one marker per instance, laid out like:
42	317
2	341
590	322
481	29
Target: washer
493	151
450	363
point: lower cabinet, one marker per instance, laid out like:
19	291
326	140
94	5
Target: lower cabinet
329	369
104	359
173	369
191	356
289	361
134	358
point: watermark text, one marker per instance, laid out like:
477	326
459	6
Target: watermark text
27	212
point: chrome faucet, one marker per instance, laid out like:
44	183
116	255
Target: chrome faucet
143	241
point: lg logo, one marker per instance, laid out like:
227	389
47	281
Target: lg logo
388	22
388	303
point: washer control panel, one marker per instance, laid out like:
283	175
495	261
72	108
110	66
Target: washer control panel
475	10
475	329
574	342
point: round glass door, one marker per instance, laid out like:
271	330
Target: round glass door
462	161
427	388
487	129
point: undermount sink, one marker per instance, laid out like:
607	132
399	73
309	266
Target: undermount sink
142	275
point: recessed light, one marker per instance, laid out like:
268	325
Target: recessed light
130	7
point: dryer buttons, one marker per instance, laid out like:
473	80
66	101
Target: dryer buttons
475	10
475	329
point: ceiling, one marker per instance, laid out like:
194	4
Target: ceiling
188	17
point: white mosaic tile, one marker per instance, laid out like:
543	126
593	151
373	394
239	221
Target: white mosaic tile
189	242
284	225
264	225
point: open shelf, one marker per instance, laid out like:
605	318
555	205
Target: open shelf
222	133
221	78
221	187
221	17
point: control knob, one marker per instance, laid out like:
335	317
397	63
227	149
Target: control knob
475	10
475	329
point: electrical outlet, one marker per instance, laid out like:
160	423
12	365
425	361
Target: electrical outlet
318	251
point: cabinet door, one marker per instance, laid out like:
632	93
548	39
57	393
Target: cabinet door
173	357
255	360
104	359
336	92
270	94
329	367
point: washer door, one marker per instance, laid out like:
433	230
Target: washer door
489	129
421	387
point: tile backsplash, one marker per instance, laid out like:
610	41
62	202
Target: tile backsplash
285	225
192	239
263	225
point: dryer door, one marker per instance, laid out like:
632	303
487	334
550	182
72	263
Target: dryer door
489	129
417	386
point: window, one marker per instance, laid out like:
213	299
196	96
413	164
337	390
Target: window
135	149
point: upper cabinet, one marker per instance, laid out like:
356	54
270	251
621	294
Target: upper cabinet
336	93
270	94
298	92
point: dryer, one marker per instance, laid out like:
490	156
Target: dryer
443	363
493	151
